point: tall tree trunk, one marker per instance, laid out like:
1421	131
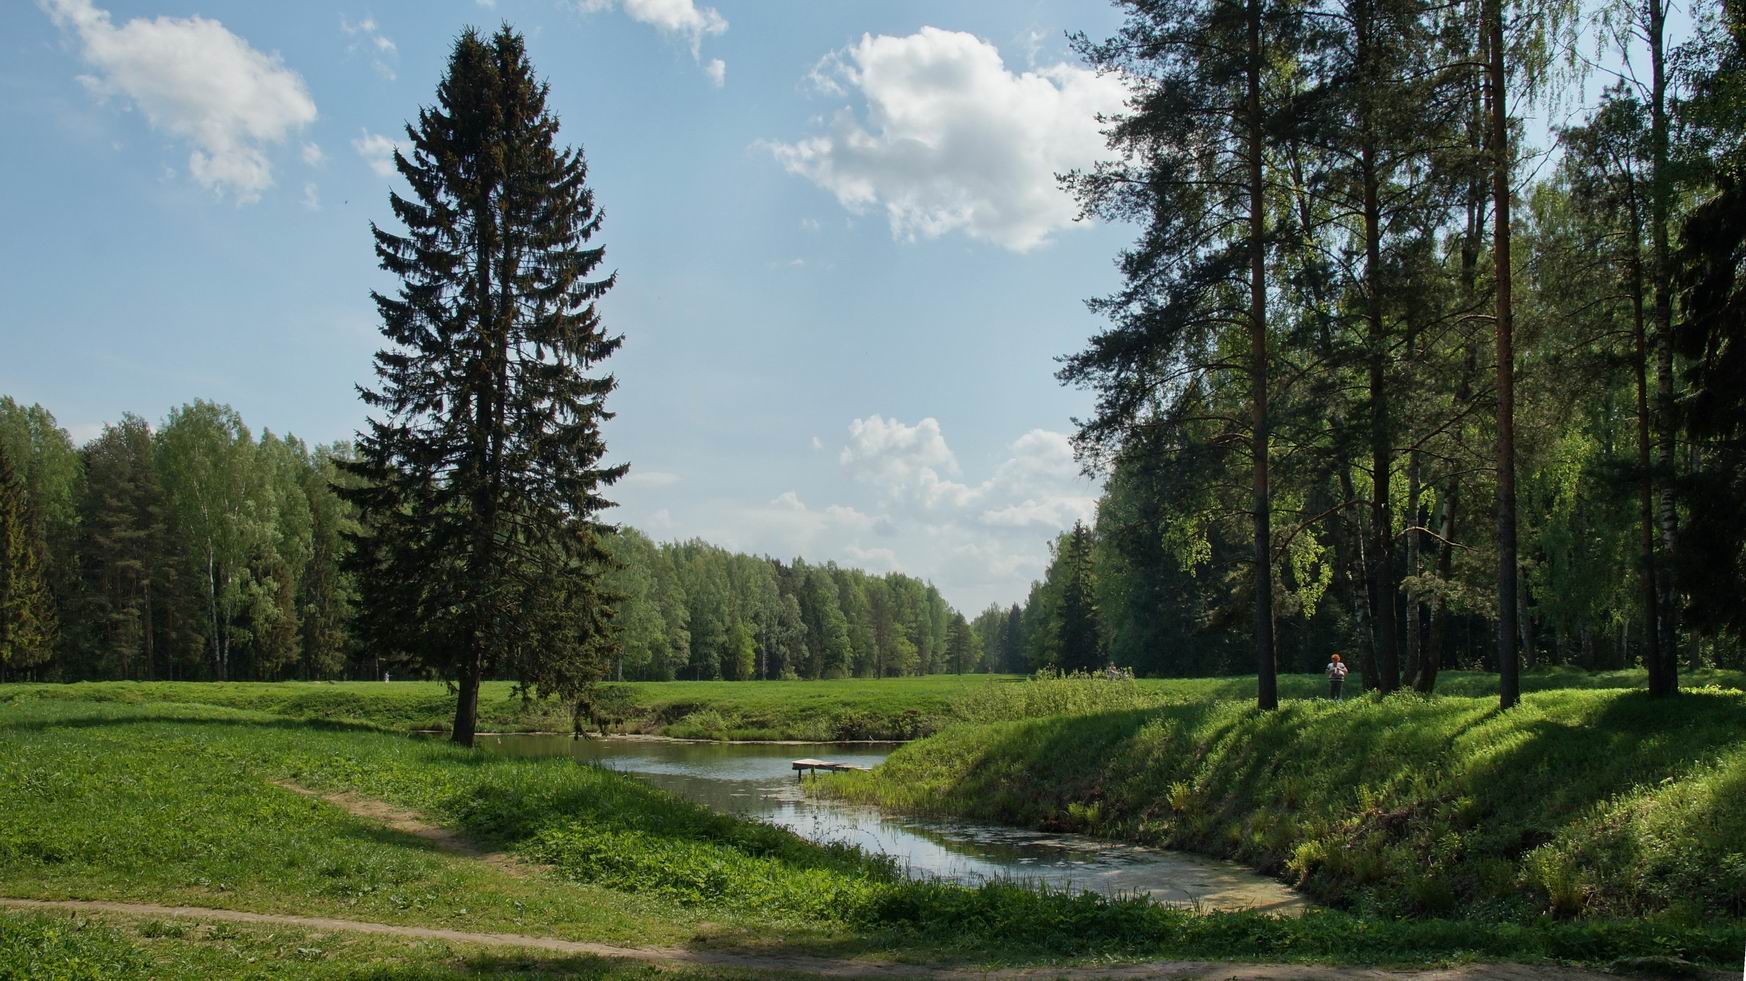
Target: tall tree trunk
1509	667
1266	670
1664	681
1652	657
467	702
1381	572
1525	621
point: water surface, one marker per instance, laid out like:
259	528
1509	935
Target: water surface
756	780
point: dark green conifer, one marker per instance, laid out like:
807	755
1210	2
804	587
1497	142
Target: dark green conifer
27	615
482	469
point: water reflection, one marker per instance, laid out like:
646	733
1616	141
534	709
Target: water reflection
756	781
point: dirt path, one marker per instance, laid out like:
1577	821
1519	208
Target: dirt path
415	824
801	964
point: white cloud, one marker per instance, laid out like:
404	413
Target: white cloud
378	151
312	155
952	139
788	501
894	453
682	19
1039	458
817	444
191	77
311	196
1053	513
650	478
368	37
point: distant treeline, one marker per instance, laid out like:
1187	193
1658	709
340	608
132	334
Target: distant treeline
195	550
692	610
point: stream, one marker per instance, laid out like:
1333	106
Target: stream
755	780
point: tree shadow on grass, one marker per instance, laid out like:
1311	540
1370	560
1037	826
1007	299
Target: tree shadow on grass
168	714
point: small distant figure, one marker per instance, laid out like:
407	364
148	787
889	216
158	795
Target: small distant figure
1336	678
384	677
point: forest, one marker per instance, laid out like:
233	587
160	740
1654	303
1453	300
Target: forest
1385	375
197	550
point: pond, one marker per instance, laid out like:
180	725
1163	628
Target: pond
755	780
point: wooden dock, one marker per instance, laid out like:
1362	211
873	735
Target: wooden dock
802	766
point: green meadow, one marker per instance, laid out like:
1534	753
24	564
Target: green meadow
123	797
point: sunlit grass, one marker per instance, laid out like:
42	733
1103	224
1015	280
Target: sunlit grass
1597	802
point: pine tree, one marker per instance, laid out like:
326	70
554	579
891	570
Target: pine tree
123	549
1080	633
1190	321
482	470
27	616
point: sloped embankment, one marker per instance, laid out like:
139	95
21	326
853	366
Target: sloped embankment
1591	803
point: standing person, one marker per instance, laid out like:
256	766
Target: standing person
1336	678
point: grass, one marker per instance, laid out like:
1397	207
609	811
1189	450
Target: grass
886	709
1590	825
57	946
883	709
1596	802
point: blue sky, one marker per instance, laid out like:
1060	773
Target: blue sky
844	266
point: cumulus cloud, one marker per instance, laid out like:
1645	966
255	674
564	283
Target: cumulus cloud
953	140
897	455
311	196
1056	512
378	151
192	78
312	155
680	19
369	39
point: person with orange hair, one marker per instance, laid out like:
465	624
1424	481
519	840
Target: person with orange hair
1336	678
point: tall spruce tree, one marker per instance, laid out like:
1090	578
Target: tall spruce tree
27	615
1080	632
481	472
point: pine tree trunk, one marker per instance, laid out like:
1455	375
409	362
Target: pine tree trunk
1509	667
1646	492
467	703
1664	681
1383	586
1267	684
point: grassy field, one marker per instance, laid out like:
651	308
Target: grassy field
891	708
1583	802
887	708
177	804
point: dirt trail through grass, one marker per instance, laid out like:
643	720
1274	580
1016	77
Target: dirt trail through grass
415	824
796	964
412	823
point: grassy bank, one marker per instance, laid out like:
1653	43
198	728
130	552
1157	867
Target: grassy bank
177	804
891	708
1582	802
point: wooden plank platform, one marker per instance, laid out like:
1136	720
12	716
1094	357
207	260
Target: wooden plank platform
801	767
